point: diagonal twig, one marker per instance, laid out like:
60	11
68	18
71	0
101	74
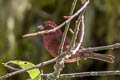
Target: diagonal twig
24	70
67	27
113	46
65	22
82	36
10	67
60	62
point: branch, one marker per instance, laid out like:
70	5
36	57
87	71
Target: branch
10	67
24	70
60	62
90	49
93	73
66	28
113	46
74	35
84	74
65	22
60	59
82	36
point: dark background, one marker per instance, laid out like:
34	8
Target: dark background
19	17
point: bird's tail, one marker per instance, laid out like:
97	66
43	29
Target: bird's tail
102	57
92	55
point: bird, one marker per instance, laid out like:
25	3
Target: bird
52	42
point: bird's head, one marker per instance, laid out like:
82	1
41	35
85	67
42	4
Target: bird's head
47	25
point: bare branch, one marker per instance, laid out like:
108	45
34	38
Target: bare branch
66	28
90	49
60	62
74	35
113	46
60	59
82	36
66	22
24	70
93	73
10	67
84	74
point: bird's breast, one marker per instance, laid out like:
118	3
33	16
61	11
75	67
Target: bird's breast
51	44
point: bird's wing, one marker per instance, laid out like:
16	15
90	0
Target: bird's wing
59	38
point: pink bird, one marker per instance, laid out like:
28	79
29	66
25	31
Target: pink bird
52	42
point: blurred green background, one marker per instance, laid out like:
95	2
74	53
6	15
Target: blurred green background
19	17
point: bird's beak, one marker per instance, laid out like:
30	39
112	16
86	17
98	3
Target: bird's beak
40	27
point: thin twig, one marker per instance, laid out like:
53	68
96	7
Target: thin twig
93	73
60	63
74	35
113	46
84	74
24	70
10	67
66	17
65	22
90	49
47	31
82	36
72	32
66	28
57	69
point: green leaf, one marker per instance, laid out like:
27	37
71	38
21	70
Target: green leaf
33	73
